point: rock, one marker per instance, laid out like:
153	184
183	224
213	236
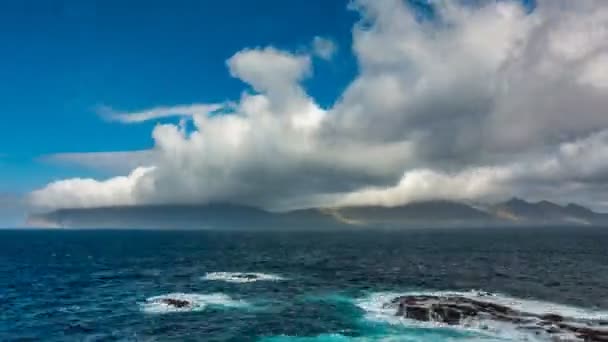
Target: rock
418	313
248	276
585	332
449	314
458	310
178	303
445	310
552	317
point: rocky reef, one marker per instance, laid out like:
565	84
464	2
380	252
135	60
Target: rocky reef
177	303
465	311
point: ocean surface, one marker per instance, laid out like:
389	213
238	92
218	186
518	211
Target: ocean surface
98	285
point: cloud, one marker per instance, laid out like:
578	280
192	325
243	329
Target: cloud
426	184
578	167
86	192
274	73
157	113
323	48
478	103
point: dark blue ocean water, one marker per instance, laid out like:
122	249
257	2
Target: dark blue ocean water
326	286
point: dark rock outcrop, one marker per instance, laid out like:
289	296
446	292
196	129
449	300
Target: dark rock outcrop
178	303
459	310
247	276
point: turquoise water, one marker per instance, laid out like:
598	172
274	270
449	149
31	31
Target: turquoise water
109	285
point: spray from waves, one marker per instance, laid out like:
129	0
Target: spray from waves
397	337
319	338
378	308
336	338
376	303
188	302
241	277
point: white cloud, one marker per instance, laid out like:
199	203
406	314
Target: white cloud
595	72
324	48
426	184
158	112
86	192
482	102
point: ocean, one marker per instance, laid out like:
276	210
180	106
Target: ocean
111	285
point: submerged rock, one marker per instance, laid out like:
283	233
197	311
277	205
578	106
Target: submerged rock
178	303
247	276
461	310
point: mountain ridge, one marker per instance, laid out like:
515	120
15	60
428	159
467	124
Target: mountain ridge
437	213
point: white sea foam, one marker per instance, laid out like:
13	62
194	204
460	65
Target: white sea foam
197	302
394	337
378	309
340	338
241	277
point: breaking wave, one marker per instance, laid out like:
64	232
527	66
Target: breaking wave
188	302
241	277
397	337
341	338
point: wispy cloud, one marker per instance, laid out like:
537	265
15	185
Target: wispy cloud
324	48
111	114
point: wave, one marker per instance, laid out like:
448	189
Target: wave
319	338
396	337
241	277
335	338
527	305
188	302
378	308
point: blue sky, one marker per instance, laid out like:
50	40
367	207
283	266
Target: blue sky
63	59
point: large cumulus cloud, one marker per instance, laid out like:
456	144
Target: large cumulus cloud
476	103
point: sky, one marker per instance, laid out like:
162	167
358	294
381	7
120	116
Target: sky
297	104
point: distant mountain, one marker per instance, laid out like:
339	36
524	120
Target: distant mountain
545	212
433	213
229	216
210	216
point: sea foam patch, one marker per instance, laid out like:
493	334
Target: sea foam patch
242	277
335	338
188	302
411	336
380	307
